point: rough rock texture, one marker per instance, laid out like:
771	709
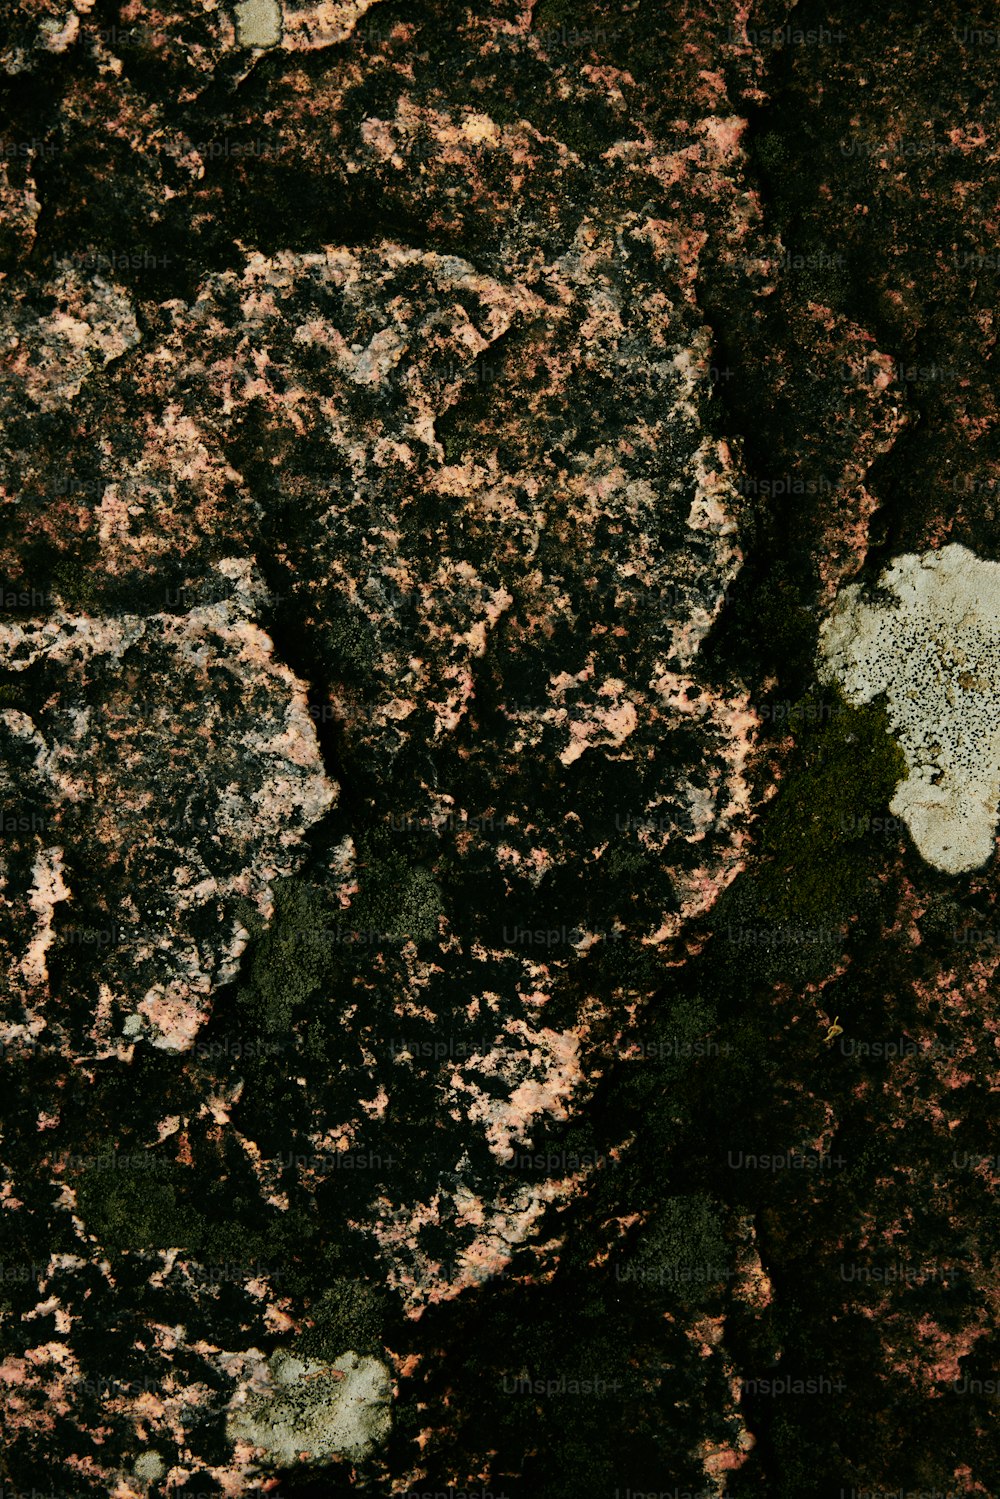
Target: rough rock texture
171	773
446	913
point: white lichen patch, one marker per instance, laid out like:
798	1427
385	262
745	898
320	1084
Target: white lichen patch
933	649
315	1411
149	1467
258	23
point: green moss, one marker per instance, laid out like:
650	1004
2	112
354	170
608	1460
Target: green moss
627	862
552	13
818	843
292	961
131	1210
684	1247
285	1242
348	1315
396	901
685	1036
249	917
351	647
76	584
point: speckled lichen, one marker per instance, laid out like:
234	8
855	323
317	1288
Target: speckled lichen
258	23
931	646
316	1411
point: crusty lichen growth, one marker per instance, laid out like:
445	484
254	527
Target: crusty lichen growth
258	23
930	645
316	1411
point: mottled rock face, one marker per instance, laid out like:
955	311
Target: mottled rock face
51	353
460	475
525	618
171	774
432	879
433	527
934	651
493	585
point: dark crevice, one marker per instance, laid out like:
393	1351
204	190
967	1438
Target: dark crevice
294	647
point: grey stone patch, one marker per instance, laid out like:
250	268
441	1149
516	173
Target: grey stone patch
91	325
316	1411
932	647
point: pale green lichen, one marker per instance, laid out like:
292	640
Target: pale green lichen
258	23
932	648
314	1411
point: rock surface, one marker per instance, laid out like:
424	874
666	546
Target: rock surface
171	771
446	910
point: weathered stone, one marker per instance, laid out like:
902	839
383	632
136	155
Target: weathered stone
174	770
